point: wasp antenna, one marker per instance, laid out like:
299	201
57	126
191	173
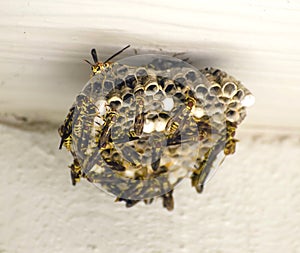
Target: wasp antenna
117	53
94	55
88	62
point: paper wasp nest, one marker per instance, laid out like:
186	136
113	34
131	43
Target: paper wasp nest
144	123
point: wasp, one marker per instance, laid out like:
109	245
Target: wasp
65	130
98	66
226	144
105	132
176	123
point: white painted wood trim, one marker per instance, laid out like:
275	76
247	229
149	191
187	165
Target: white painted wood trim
42	45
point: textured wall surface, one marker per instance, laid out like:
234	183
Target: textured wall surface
251	205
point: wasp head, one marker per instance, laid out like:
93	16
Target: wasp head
97	67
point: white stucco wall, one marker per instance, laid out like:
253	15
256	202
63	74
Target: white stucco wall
251	205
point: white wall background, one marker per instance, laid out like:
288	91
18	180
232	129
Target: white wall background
251	205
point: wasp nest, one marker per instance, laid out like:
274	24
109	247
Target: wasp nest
144	123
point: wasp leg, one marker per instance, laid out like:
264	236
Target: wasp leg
148	201
129	202
76	172
168	201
